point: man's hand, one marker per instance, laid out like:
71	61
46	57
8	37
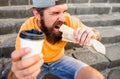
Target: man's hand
27	68
83	35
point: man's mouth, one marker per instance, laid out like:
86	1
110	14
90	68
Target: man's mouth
57	27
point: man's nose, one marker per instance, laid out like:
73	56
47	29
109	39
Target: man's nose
62	17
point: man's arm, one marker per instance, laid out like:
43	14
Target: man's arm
98	35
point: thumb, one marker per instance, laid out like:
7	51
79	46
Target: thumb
18	54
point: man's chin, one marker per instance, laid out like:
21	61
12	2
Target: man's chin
56	31
55	37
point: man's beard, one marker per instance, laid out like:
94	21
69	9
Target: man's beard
51	36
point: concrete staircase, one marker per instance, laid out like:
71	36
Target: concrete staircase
104	15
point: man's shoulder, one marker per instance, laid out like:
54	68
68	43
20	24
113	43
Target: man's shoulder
71	17
30	23
30	19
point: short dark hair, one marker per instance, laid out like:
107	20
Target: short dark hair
40	10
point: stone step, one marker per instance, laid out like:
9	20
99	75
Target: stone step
100	20
29	2
11	25
15	11
94	1
87	1
97	60
14	2
93	8
74	9
7	43
111	73
110	35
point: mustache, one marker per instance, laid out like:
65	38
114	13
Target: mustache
58	23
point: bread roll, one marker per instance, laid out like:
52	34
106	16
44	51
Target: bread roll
94	45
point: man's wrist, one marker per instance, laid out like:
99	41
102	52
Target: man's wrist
97	34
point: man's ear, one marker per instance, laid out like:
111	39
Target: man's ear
36	14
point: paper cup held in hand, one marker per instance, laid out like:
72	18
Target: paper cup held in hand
33	39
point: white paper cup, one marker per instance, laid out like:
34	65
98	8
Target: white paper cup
32	39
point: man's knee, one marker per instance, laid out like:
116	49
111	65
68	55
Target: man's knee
89	73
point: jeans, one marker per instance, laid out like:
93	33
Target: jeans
5	72
65	68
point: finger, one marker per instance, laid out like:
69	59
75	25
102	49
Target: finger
18	54
34	75
25	77
80	36
29	71
28	77
76	32
83	38
89	37
28	62
14	67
